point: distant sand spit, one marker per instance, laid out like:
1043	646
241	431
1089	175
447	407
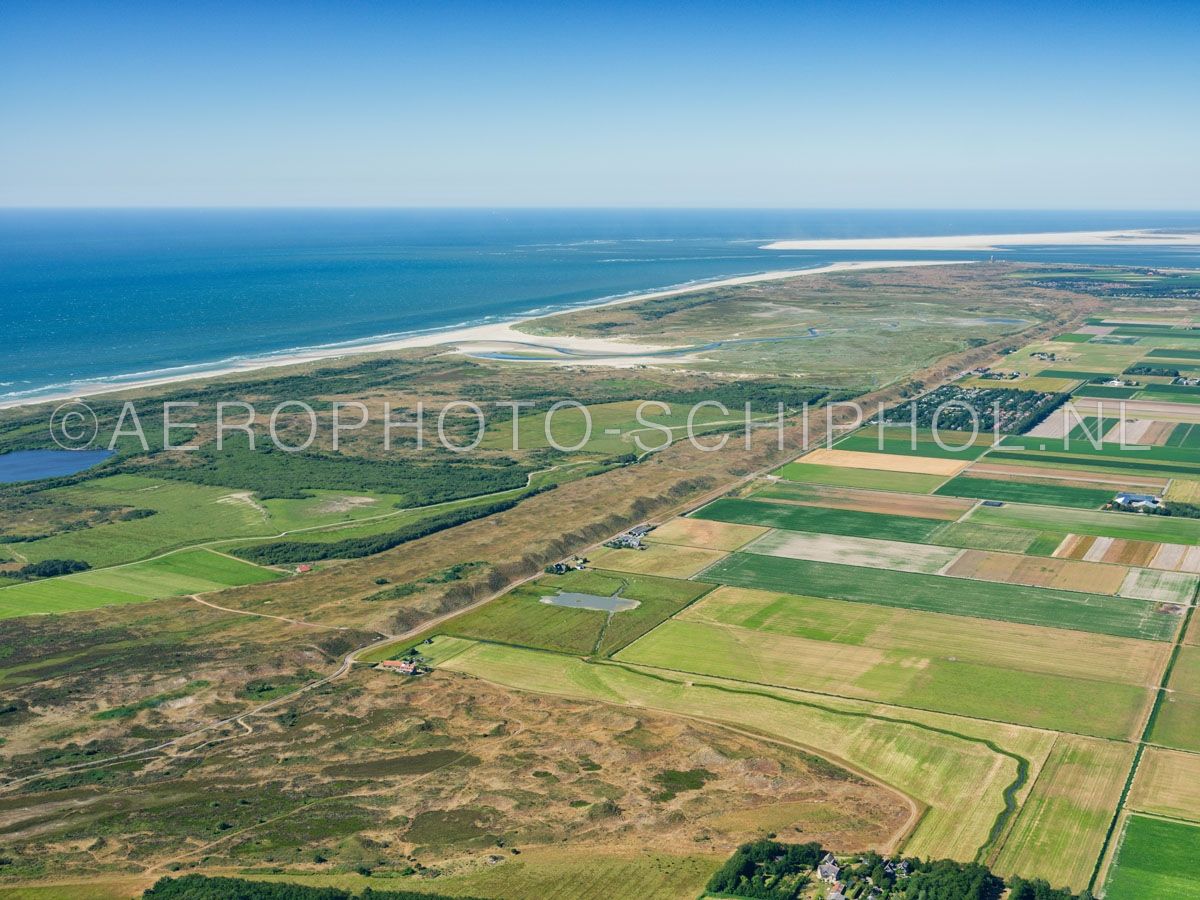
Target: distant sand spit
1134	238
481	339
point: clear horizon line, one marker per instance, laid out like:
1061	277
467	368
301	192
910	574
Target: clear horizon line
588	207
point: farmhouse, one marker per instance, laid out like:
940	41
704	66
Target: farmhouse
632	539
1137	501
403	666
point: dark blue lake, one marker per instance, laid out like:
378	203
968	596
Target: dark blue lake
31	465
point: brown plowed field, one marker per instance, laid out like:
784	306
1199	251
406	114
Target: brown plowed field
946	509
1064	574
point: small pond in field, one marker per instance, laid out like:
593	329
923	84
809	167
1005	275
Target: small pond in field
31	465
591	601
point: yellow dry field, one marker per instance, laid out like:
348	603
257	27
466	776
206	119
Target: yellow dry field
705	534
958	769
885	462
1032	648
1063	574
1047	383
1060	830
1183	491
985	469
1167	784
919	506
665	560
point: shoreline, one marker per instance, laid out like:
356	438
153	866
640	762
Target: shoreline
1143	237
591	350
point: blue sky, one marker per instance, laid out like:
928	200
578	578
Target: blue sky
1048	105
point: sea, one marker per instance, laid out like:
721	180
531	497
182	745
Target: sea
90	298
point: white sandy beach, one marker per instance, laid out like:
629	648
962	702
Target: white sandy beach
1138	238
501	337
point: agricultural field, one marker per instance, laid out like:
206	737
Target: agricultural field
909	678
1061	828
812	473
1160	587
1075	610
1031	491
1177	719
887	462
177	574
852	551
1145	554
705	533
1128	526
1184	491
665	560
898	440
1004	644
1155	858
1061	574
885	502
1167	784
794	517
968	535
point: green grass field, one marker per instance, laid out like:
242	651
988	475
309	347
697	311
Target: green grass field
1156	859
841	476
1177	720
1185	434
520	618
1173	353
921	680
1103	392
900	441
1025	492
817	519
186	572
1131	526
569	427
184	514
985	537
957	596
